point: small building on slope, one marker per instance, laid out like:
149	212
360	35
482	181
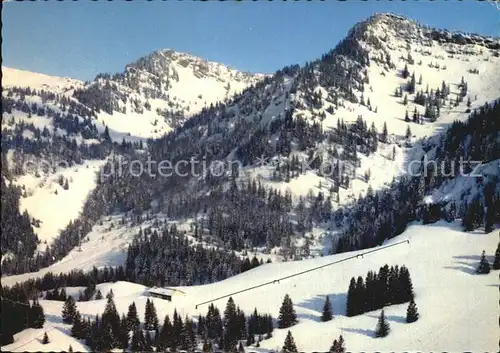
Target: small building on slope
163	293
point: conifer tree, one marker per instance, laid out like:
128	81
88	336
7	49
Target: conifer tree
287	316
327	310
385	133
36	315
164	339
360	296
383	327
138	343
351	300
289	344
70	349
484	265
188	336
62	294
241	349
411	312
77	329
111	320
177	327
69	310
408	132
338	346
93	337
405	72
98	295
200	327
150	317
240	324
132	317
123	337
412	86
496	262
213	322
45	339
106	337
406	285
230	325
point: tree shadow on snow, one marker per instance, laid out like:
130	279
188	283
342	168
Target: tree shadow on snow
465	269
393	318
53	318
316	303
475	258
369	333
470	265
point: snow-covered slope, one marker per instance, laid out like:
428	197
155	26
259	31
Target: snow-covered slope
434	58
22	78
454	303
165	79
160	91
374	55
48	201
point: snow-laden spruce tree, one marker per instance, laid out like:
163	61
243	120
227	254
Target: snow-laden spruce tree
289	345
484	265
327	310
287	316
383	327
150	316
338	346
45	339
412	312
132	317
36	315
496	262
69	310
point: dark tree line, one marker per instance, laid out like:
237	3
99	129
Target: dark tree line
387	287
17	313
166	258
205	267
18	238
225	331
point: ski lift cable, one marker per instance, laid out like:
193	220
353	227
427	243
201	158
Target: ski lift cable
302	272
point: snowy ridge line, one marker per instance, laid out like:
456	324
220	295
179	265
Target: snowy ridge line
302	272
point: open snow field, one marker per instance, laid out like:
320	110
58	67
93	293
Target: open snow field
454	303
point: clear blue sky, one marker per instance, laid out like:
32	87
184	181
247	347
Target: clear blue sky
81	39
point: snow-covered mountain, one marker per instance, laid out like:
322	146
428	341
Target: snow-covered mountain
51	118
323	154
160	91
338	127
